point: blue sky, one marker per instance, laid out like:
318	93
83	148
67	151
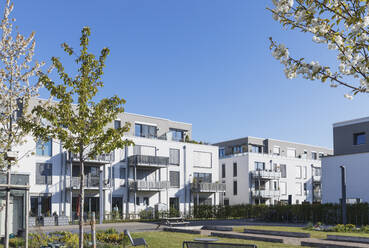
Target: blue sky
205	62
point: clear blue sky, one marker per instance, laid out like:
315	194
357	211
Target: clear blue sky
205	62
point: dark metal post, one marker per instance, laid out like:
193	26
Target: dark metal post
343	200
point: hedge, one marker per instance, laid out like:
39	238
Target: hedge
357	214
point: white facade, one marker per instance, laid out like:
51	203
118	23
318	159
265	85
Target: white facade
275	187
132	179
357	183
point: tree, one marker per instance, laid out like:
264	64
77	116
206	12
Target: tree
76	119
16	89
341	25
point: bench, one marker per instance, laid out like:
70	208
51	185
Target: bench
174	221
200	244
135	242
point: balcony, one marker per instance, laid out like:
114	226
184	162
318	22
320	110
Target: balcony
142	185
89	182
208	187
267	175
101	159
316	179
15	179
148	161
264	193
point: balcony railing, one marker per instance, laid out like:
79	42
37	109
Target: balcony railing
208	187
104	158
89	182
264	174
317	179
148	161
142	185
15	179
264	193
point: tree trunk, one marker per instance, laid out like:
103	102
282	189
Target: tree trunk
7	207
81	203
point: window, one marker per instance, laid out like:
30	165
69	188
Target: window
321	154
298	189
137	200
44	148
317	172
305	172
283	188
146	201
256	149
117	124
276	150
177	134
202	177
305	188
234	169
234	187
40	205
298	172
283	171
174	179
145	131
291	152
174	156
221	152
46	205
223	171
259	166
359	138
122	173
34	206
43	173
237	149
314	155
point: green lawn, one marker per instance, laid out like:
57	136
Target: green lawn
314	234
175	240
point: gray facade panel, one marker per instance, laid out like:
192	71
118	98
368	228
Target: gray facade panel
343	138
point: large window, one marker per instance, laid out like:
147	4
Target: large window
174	156
314	155
234	169
291	152
283	188
234	187
177	134
283	171
359	138
41	205
223	171
256	149
298	172
202	177
221	152
276	150
259	166
122	173
44	148
298	189
43	173
174	179
117	124
145	131
237	149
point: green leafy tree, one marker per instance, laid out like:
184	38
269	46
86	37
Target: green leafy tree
76	119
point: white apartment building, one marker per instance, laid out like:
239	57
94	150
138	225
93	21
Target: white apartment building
268	171
351	150
161	168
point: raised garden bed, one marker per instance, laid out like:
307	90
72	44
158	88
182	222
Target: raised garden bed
348	239
246	237
62	220
218	228
278	233
169	229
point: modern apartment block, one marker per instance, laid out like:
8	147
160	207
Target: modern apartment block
351	149
161	168
268	171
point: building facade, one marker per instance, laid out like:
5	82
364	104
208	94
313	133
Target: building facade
351	150
160	170
268	171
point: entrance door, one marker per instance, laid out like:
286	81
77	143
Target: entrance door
174	206
17	214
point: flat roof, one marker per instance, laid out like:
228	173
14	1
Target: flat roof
351	122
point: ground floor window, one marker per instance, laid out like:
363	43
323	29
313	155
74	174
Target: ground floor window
174	206
41	206
117	206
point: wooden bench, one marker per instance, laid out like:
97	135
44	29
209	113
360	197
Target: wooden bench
200	244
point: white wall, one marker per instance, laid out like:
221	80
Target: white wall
357	172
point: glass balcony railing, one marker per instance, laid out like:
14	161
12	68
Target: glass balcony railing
266	174
89	182
15	179
208	187
147	160
103	158
142	185
264	193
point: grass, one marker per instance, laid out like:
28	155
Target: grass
314	234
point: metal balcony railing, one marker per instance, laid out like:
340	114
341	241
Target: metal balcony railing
147	160
208	187
264	193
89	182
265	174
103	158
142	185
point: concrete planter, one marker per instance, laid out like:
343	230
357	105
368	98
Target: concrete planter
48	221
62	220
